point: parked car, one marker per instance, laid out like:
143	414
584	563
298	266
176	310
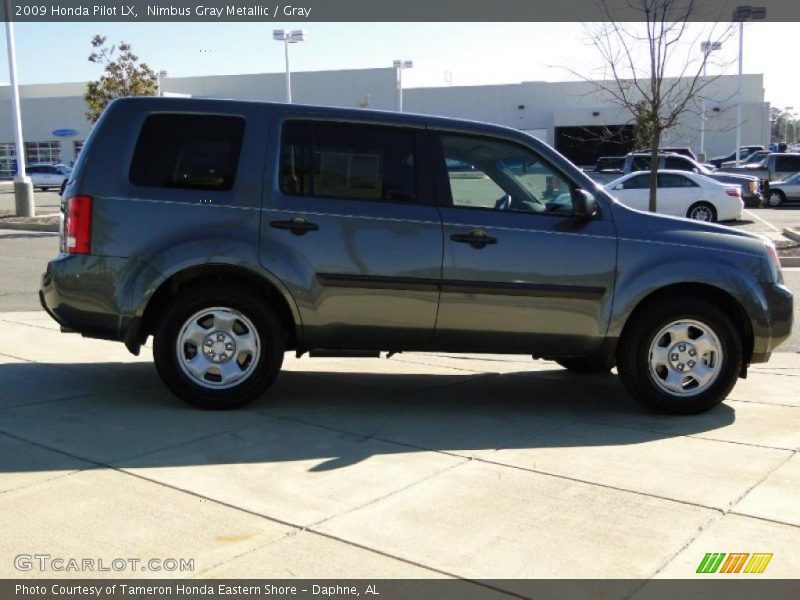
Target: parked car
233	232
784	191
744	152
680	194
684	151
773	167
755	157
750	185
46	176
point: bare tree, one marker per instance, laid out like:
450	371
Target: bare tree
637	54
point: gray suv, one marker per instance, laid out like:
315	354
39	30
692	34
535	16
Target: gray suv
235	231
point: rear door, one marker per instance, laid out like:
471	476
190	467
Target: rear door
351	228
520	273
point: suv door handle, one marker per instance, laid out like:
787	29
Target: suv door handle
297	225
477	238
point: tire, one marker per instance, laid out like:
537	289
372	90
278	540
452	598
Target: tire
702	211
648	378
583	364
236	328
776	198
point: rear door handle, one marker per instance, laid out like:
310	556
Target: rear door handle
477	238
297	225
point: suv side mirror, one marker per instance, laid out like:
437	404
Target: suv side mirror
584	205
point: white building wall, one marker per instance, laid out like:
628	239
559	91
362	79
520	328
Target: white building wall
533	106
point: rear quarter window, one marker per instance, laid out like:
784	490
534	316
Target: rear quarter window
188	151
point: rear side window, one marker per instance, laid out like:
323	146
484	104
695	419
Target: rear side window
342	160
787	163
188	151
679	164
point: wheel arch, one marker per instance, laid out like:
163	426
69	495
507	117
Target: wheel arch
711	293
260	282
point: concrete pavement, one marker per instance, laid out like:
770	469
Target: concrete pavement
422	465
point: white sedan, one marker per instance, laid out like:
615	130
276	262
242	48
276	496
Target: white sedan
680	194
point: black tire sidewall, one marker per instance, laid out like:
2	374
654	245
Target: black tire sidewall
697	205
256	309
634	367
780	197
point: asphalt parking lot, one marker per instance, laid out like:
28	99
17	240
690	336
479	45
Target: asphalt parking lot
418	466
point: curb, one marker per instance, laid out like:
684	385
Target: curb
30	227
791	234
788	262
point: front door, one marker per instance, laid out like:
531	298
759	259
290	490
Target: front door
520	273
352	230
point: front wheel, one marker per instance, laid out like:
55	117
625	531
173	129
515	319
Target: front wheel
219	346
702	211
680	356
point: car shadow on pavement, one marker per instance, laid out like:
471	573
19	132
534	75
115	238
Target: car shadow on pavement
120	414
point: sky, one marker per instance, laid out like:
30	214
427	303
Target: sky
443	53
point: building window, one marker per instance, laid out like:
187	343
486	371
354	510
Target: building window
8	160
76	149
43	152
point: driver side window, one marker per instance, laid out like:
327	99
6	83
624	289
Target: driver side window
488	173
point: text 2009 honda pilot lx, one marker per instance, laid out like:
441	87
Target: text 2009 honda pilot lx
234	231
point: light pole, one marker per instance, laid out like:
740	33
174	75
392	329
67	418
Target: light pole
23	189
706	48
400	66
288	37
788	112
742	14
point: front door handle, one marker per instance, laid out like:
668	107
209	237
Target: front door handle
297	225
477	238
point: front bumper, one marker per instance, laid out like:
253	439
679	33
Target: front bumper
774	324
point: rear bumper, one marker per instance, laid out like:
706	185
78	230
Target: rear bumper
86	294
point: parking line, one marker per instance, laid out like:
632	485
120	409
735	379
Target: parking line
765	222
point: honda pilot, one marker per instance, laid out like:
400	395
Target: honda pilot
233	232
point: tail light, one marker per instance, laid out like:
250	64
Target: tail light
736	193
78	225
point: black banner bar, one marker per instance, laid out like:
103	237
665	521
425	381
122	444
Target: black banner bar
711	586
372	10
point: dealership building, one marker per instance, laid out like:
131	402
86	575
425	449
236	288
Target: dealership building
571	116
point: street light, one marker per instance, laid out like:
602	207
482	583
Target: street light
400	66
288	37
706	48
789	115
23	189
742	14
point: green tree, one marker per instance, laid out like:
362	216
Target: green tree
123	75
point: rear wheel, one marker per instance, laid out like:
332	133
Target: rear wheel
680	356
776	198
583	364
218	346
702	211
